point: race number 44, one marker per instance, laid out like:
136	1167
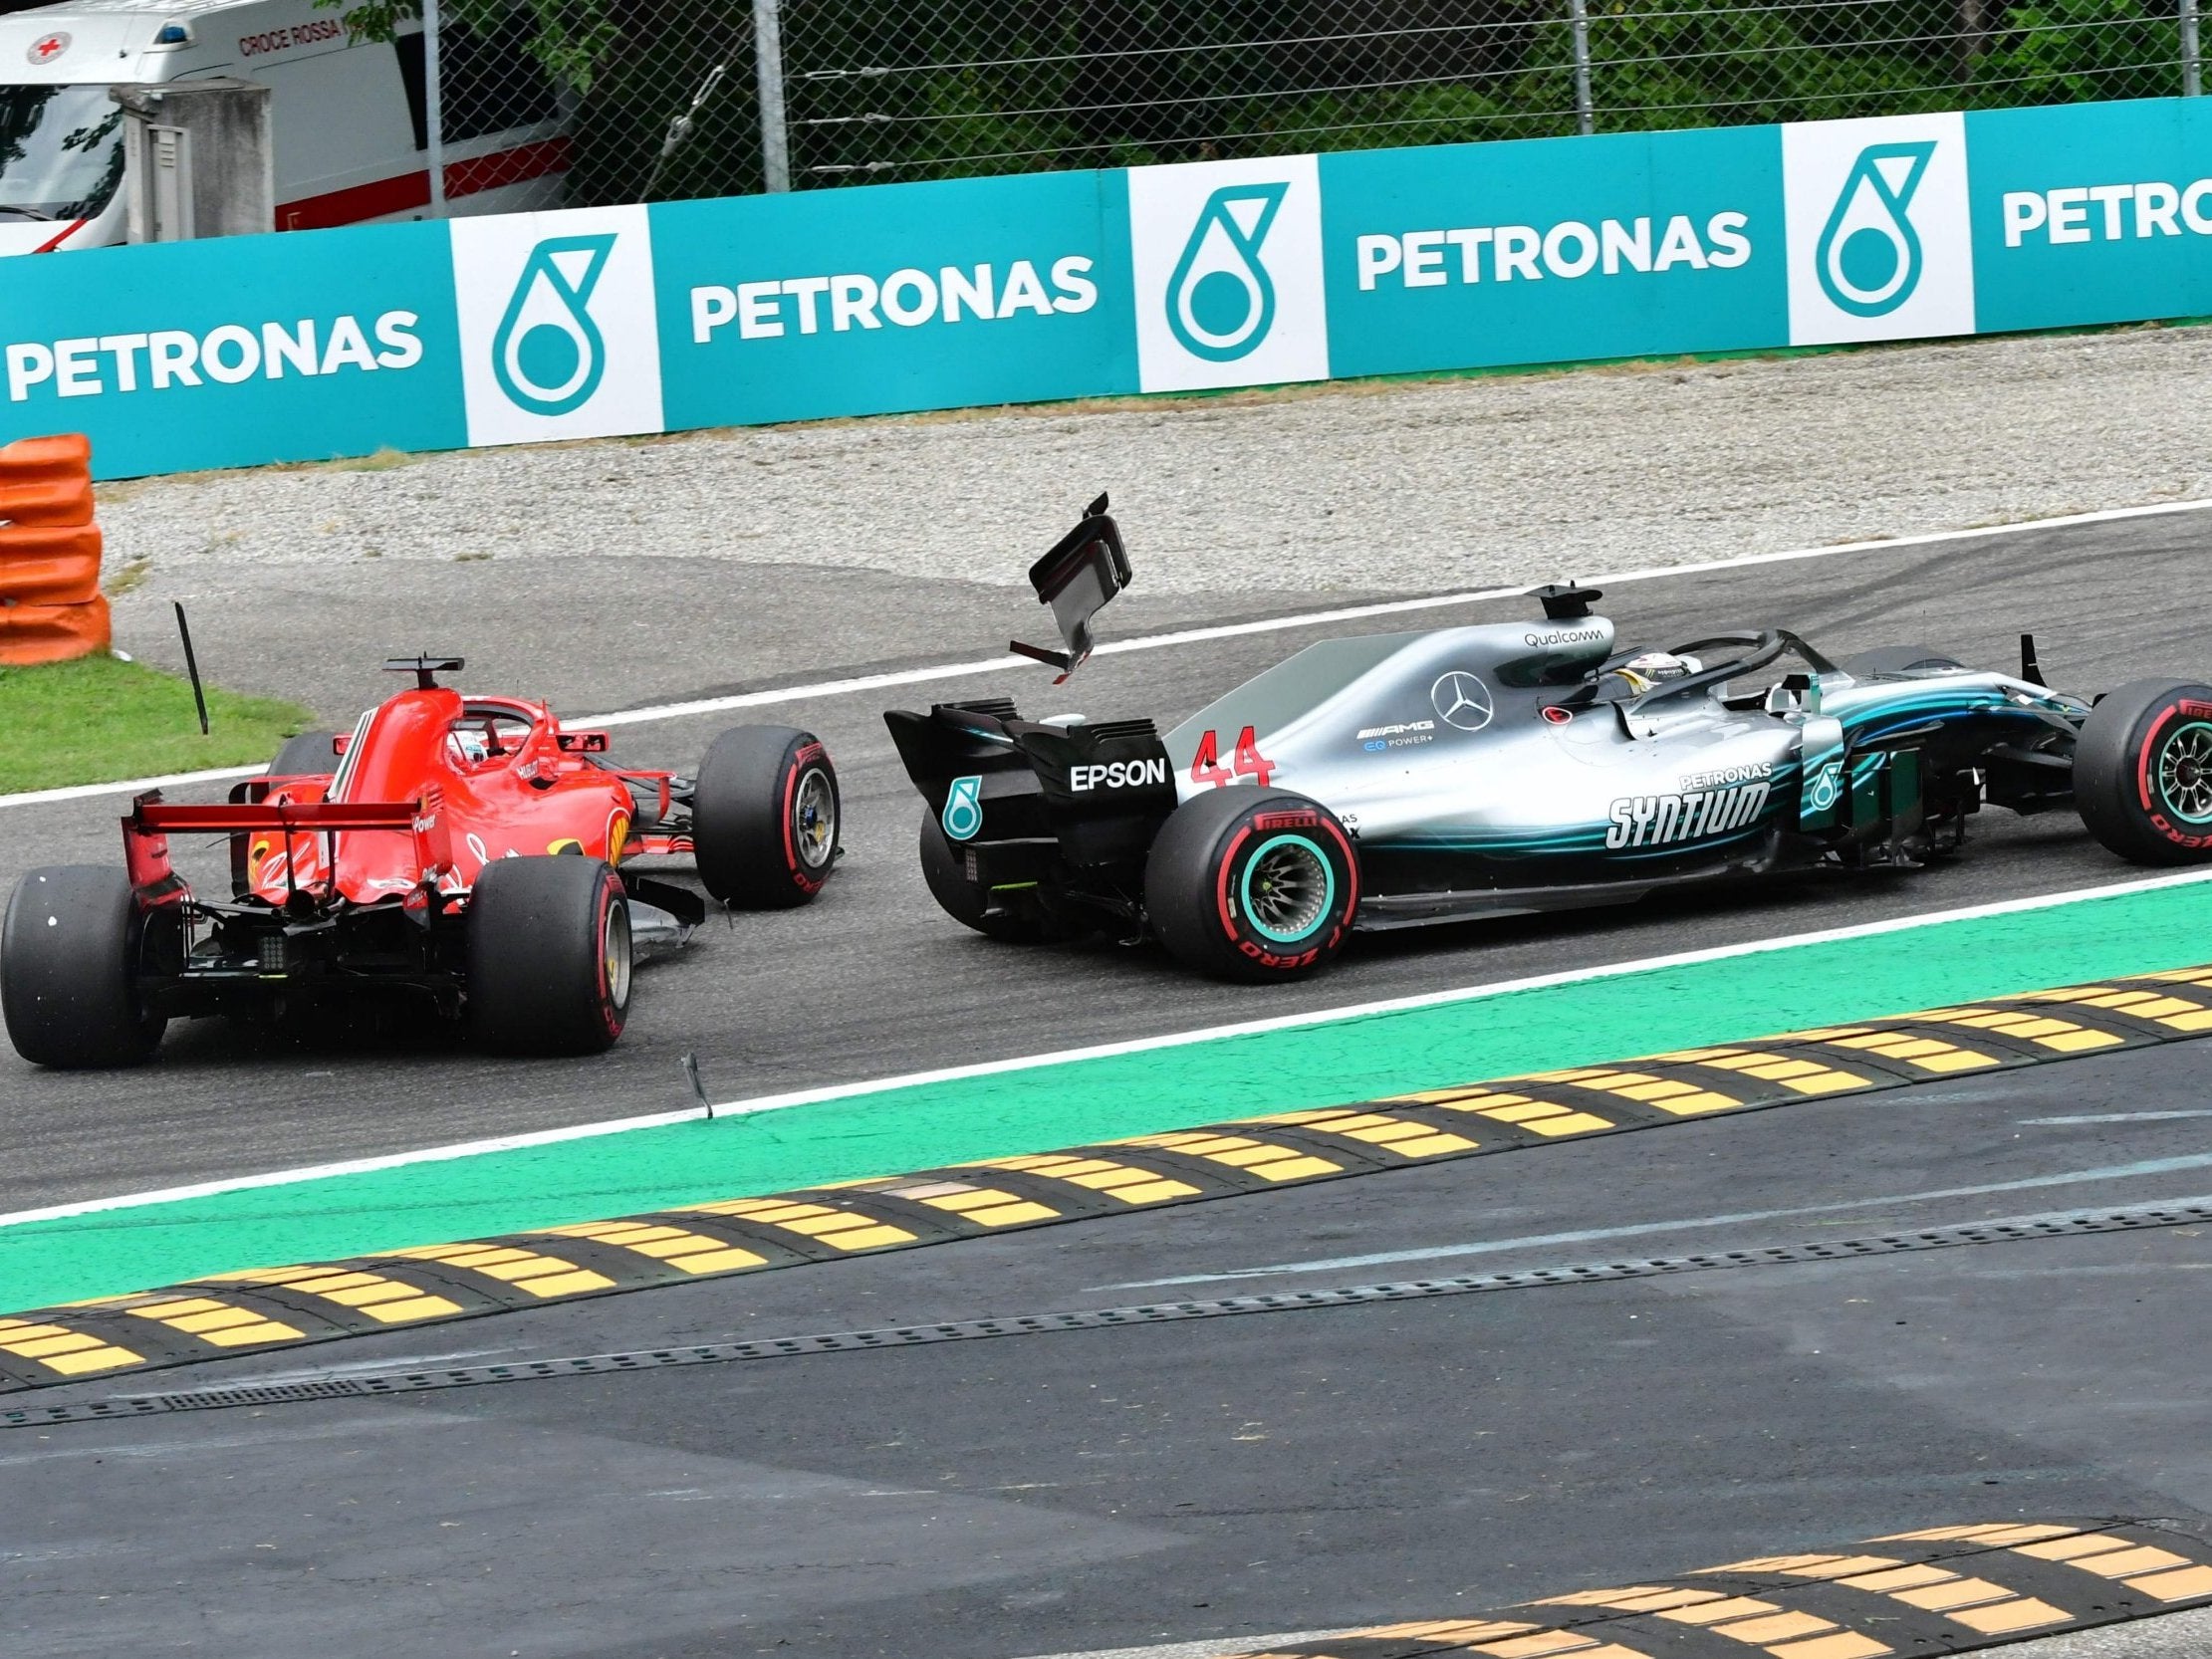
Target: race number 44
1245	761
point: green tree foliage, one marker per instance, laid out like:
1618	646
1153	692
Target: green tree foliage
630	70
900	90
571	38
2075	51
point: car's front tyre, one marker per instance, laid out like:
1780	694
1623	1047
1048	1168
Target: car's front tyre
2142	772
765	817
1251	884
69	970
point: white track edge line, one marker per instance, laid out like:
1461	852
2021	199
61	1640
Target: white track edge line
1185	637
1101	1051
129	785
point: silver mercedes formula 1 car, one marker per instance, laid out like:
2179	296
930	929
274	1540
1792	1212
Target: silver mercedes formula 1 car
1395	778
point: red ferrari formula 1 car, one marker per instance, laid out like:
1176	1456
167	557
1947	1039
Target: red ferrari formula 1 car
467	855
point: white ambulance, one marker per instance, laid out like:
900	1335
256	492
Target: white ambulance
348	116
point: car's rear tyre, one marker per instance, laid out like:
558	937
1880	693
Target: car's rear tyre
965	901
309	755
548	956
2142	772
1252	885
765	817
69	970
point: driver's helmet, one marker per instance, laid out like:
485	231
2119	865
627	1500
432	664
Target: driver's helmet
1641	675
469	745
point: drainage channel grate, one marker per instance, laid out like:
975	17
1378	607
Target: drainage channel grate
2067	1224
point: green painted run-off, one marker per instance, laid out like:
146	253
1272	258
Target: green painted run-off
1070	1103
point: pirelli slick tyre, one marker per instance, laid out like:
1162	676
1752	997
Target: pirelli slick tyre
309	755
946	872
70	954
764	817
2142	772
548	956
1252	885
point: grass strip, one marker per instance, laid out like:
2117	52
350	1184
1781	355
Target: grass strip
100	717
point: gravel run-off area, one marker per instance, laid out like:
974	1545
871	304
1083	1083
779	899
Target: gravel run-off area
1376	486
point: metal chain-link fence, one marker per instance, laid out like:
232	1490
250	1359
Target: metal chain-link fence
531	103
670	113
672	99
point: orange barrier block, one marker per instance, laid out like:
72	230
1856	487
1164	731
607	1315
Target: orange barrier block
50	608
47	480
60	566
34	633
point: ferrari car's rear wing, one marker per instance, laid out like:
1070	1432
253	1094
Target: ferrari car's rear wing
317	815
146	832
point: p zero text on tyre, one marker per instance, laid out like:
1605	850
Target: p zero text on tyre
1252	885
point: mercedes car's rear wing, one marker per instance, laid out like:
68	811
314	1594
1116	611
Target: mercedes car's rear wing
1077	578
1017	798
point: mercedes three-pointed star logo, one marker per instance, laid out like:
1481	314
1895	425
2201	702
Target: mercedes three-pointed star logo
1461	700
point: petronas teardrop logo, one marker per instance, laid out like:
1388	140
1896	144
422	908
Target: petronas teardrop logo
1868	256
1221	301
548	356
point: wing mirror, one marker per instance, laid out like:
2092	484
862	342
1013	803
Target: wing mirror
1797	694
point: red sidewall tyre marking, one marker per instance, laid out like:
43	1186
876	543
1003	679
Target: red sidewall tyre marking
806	757
1295	818
614	1017
2153	805
2142	760
1228	862
1352	875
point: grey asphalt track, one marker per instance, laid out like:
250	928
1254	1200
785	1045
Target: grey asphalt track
1216	1480
872	981
1209	1482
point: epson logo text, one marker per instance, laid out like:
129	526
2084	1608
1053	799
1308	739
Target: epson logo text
1118	775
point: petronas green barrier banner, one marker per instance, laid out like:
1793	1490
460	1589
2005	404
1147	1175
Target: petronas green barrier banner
597	322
